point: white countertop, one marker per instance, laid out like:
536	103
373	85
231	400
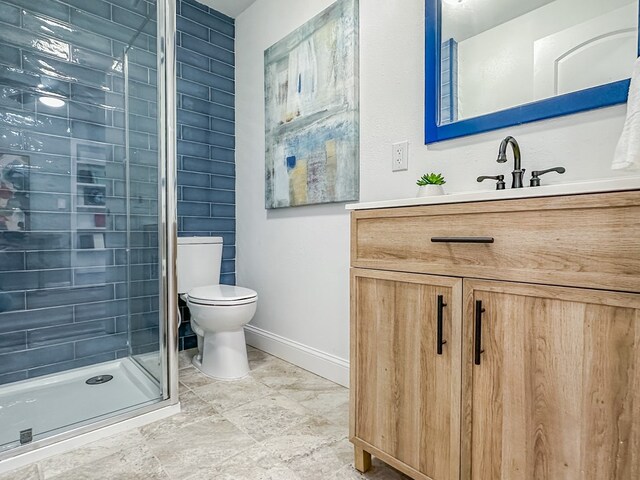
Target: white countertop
597	186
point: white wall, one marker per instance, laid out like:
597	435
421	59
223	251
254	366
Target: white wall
297	258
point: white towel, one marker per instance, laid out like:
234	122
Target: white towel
627	154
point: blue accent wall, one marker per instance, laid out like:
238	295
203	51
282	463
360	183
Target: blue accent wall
206	134
449	82
67	300
64	305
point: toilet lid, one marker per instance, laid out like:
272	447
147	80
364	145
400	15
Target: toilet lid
222	294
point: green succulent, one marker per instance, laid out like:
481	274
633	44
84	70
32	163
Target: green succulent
431	179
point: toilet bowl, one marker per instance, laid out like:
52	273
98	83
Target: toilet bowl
218	316
218	312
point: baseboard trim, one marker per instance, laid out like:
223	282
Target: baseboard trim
316	361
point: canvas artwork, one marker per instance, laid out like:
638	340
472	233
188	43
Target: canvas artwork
311	111
14	192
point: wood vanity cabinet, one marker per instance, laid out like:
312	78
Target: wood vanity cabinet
506	369
407	329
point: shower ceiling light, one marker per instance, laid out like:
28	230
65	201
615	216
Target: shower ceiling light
52	102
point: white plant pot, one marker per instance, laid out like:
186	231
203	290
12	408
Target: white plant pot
430	190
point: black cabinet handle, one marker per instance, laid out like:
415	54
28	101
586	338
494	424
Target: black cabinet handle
440	341
478	340
462	239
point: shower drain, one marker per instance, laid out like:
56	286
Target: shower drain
99	379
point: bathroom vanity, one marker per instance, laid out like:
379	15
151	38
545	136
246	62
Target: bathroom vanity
496	337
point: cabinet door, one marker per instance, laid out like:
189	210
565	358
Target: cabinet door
556	393
406	395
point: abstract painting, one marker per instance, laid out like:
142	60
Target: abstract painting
14	192
312	111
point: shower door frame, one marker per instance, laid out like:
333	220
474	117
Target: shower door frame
166	51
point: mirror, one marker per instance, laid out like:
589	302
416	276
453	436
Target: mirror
505	62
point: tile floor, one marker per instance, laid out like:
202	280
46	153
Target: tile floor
280	423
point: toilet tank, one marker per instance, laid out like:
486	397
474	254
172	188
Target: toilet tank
198	262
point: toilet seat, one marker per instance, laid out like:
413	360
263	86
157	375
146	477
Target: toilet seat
222	295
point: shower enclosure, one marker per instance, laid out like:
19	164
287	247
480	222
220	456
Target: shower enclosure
88	333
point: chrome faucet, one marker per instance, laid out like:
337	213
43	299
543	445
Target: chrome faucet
518	171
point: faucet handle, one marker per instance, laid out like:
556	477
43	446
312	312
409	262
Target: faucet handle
500	178
535	175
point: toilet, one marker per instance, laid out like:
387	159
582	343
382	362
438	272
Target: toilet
218	312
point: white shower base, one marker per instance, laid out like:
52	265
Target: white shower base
56	403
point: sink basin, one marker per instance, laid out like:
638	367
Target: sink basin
597	186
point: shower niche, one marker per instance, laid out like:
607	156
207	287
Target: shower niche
89	212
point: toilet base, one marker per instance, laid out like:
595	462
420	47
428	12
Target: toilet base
223	355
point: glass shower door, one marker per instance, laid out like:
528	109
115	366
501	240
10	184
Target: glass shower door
142	182
81	316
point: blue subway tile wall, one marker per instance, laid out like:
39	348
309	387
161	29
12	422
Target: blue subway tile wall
63	305
206	134
449	82
76	287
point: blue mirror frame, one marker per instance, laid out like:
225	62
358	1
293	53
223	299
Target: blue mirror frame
588	99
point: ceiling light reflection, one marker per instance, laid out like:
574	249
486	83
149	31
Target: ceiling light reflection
52	102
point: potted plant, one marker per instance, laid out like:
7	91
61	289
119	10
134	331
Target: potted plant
430	184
